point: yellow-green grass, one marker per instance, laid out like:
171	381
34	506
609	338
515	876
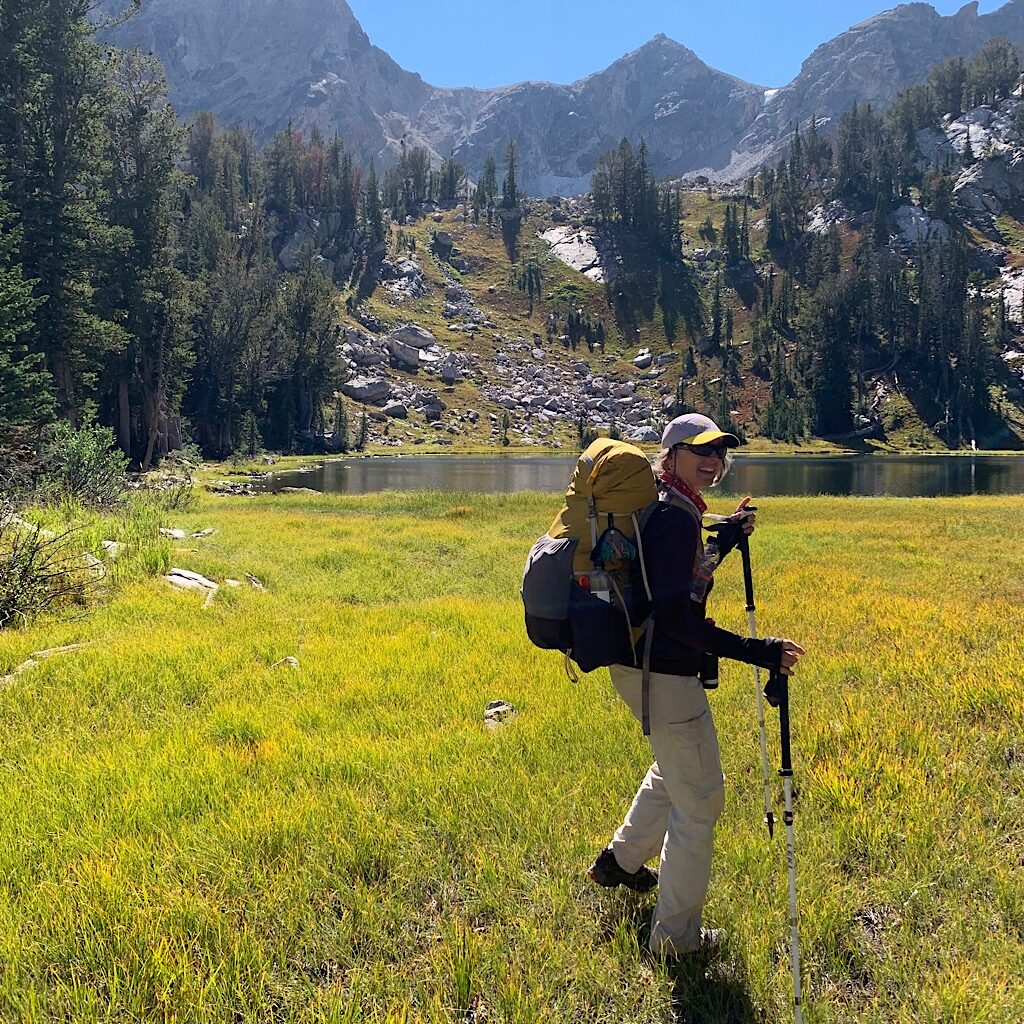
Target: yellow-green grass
193	834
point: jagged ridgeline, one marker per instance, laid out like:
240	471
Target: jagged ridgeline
200	283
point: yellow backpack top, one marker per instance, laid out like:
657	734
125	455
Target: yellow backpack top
612	483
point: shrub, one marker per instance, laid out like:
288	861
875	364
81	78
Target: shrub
38	570
85	465
19	472
173	480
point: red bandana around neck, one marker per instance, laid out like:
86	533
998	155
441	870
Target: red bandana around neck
672	482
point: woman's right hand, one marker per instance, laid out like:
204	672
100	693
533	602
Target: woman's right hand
791	653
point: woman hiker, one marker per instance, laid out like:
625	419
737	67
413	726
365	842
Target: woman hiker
676	807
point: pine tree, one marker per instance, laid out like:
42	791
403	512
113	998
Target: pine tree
509	189
52	98
530	281
967	156
145	378
691	365
310	353
373	214
25	398
723	412
731	237
880	222
250	442
776	236
835	249
487	189
716	312
238	324
831	385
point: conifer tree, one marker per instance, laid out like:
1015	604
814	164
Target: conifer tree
716	312
145	377
776	237
52	96
967	156
691	365
25	397
310	337
373	214
509	189
487	188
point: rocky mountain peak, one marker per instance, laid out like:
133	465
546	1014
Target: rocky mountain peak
658	55
267	63
871	62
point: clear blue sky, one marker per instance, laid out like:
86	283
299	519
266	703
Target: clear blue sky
465	42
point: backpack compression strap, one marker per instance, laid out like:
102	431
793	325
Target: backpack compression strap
648	626
645	679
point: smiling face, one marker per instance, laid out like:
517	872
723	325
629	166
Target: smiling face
696	471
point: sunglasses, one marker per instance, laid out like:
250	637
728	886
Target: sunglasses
721	450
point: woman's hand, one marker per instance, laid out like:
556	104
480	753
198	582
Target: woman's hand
744	518
791	652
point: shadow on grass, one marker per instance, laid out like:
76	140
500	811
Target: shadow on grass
710	990
707	988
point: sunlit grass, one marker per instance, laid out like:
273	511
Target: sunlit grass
195	832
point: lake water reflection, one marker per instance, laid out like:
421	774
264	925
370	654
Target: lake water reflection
900	475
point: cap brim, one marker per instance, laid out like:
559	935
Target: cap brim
711	437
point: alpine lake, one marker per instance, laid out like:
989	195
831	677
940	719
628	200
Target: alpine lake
865	475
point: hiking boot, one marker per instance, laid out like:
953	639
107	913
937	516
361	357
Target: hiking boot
710	942
607	872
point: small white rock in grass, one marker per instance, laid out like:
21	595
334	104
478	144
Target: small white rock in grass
208	532
13	520
94	565
167	531
255	581
111	549
36	657
290	662
188	580
497	712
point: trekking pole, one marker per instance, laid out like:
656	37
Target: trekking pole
779	684
748	583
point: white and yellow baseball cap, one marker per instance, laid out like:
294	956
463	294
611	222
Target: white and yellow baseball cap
696	429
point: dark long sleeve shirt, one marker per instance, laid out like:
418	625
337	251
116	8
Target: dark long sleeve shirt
681	632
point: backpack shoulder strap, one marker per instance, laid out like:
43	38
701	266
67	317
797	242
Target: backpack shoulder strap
640	520
681	501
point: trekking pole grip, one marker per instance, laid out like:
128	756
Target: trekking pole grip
748	576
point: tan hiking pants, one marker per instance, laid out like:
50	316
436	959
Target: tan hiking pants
676	807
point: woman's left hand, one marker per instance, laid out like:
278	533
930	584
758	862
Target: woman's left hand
746	519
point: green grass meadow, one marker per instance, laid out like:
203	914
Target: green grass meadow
194	832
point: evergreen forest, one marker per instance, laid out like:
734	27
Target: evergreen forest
182	284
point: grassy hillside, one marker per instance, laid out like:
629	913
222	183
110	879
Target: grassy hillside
195	830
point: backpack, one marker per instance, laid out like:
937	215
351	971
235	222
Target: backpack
580	576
